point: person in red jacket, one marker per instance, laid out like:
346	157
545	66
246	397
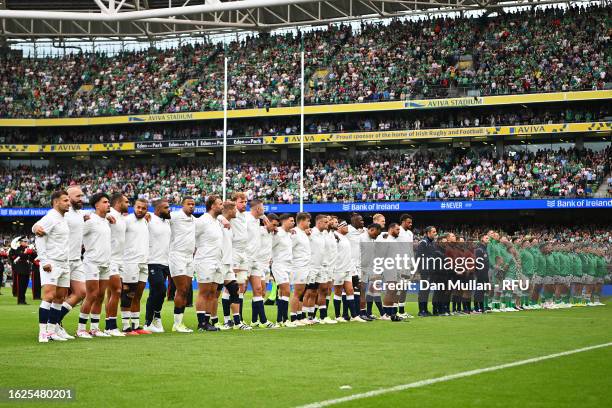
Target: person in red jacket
35	263
20	265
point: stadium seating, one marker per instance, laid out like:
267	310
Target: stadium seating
521	52
317	124
435	175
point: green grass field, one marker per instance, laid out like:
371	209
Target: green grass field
292	367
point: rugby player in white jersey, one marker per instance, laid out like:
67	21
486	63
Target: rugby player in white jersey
119	206
208	262
390	305
231	295
372	295
264	255
75	219
343	273
405	235
300	266
331	250
53	250
180	258
136	270
282	257
355	231
319	266
256	220
159	245
96	262
240	262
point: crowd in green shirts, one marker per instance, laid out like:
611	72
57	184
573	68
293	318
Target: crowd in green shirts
394	175
509	53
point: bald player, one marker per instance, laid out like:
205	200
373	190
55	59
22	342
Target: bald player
135	257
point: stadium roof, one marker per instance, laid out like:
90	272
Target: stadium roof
155	19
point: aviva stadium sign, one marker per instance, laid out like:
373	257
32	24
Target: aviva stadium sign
315	109
490	131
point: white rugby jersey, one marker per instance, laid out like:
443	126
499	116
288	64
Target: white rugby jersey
331	249
281	247
264	255
75	224
54	244
117	236
182	233
405	235
253	235
353	236
239	231
344	261
159	240
228	248
317	248
136	240
97	240
209	241
300	248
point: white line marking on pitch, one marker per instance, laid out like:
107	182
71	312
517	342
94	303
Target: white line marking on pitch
430	381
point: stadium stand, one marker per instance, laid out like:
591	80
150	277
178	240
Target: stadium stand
521	52
388	175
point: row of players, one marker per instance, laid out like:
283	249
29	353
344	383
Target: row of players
108	253
228	248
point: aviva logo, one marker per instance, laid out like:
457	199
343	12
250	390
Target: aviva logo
529	129
409	104
135	119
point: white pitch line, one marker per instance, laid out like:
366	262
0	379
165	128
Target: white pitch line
463	374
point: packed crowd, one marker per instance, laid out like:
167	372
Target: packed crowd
390	176
279	126
521	52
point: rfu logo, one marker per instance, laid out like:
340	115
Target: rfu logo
346	207
550	203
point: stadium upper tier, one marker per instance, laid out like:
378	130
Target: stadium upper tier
318	124
526	52
390	176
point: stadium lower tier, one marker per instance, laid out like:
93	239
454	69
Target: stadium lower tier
341	180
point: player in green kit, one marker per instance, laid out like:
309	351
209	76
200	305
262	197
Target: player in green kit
589	278
538	274
495	271
527	270
549	272
562	287
601	270
583	277
576	277
511	267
